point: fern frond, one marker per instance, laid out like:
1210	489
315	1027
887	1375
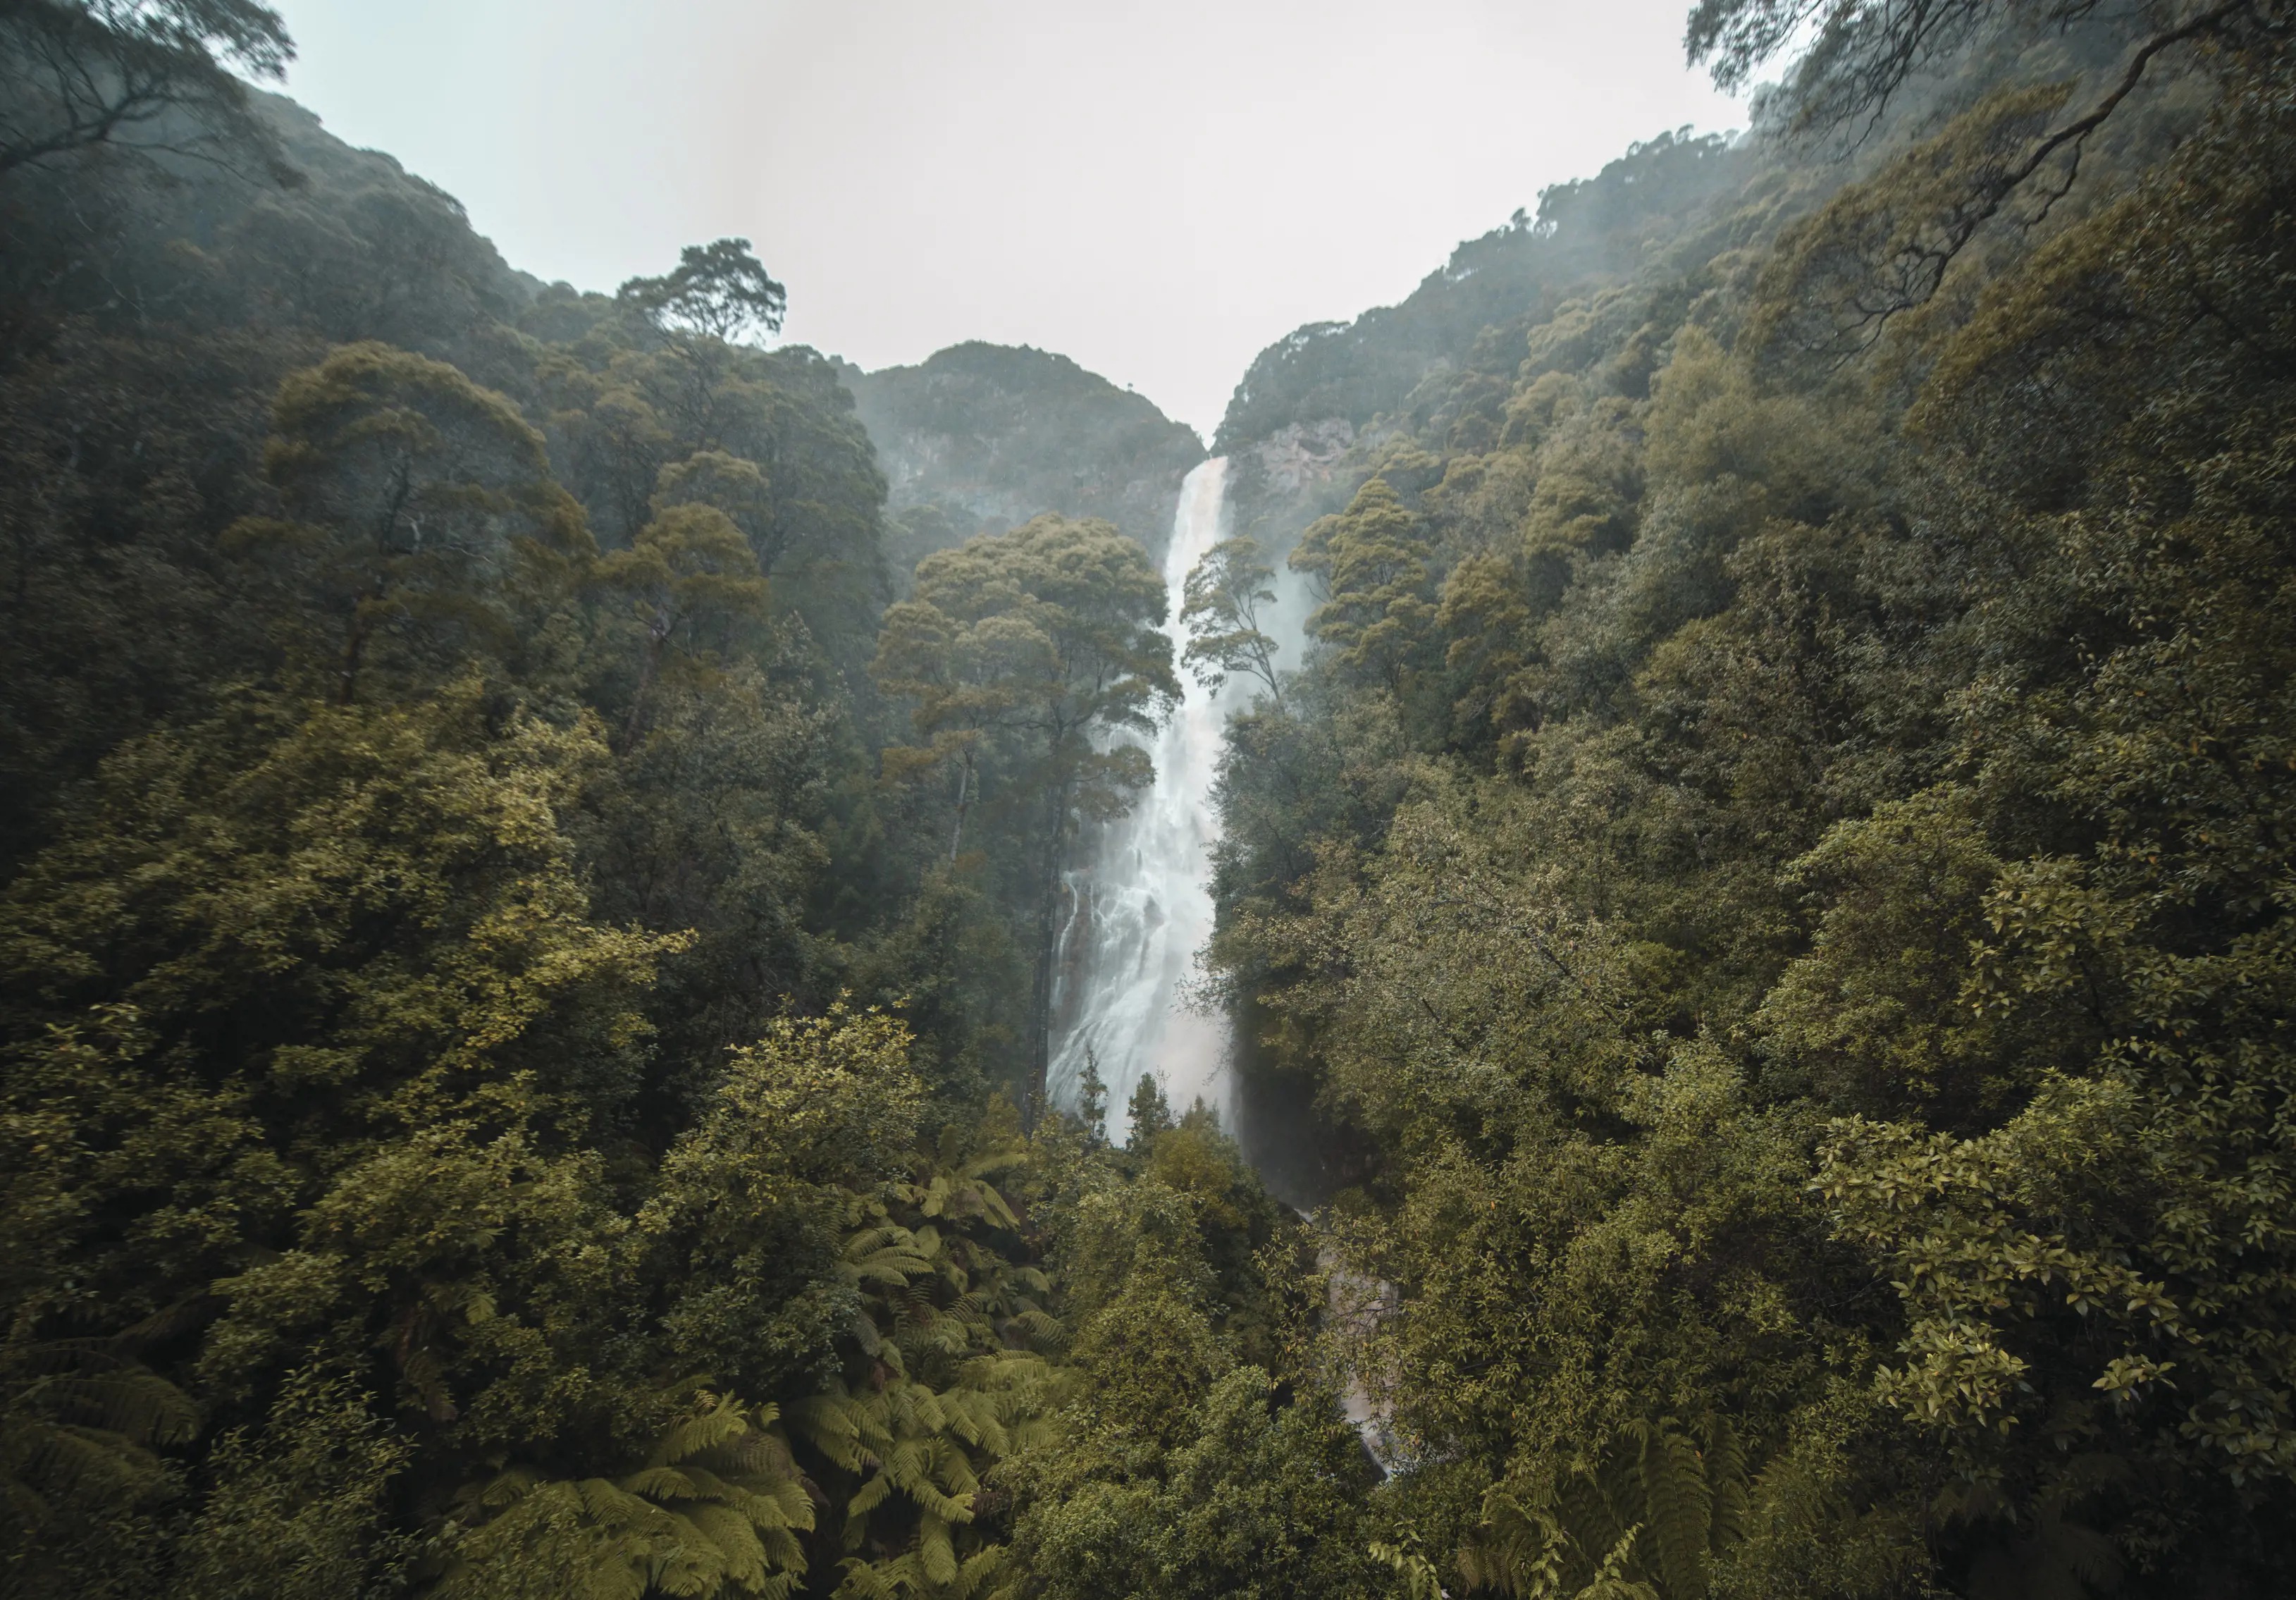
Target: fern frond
796	1506
936	1549
605	1504
740	1555
134	1404
1592	1520
1420	1580
832	1423
1519	1548
870	1496
621	1578
1678	1510
725	1420
508	1487
1611	1582
935	1198
51	1462
1725	1478
782	1550
1786	1497
864	1581
1039	1327
661	1484
976	1570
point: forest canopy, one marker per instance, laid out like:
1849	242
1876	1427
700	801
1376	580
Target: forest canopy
1754	894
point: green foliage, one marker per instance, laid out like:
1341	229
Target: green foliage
1324	381
1221	612
1179	1466
1019	652
1371	580
1773	867
1148	1114
1659	1511
425	1069
719	291
693	579
979	438
714	1511
300	1506
1882	249
1048	631
421	504
1778	862
949	1378
76	1434
148	77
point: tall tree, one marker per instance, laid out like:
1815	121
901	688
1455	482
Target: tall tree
1043	640
1222	611
718	291
423	506
151	75
1369	565
1857	56
693	578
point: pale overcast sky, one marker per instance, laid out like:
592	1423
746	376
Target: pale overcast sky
1158	190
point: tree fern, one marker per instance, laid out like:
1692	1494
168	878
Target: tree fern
916	1575
714	1513
1613	1575
1678	1508
1521	1547
1726	1481
2036	1551
1643	1521
948	1382
78	1421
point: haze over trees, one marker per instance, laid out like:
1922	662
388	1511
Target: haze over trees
1764	897
980	438
1753	856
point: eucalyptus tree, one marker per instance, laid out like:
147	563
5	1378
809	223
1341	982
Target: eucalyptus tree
1221	610
157	76
2013	158
718	291
1024	651
1369	565
423	512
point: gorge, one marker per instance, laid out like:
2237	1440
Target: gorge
1722	964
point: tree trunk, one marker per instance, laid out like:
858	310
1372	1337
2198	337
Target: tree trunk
963	778
355	650
657	638
1040	1001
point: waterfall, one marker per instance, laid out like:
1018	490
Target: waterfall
1143	909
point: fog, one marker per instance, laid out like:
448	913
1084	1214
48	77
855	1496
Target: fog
1155	191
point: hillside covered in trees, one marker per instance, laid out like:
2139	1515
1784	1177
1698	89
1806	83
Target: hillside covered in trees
1777	853
528	946
980	438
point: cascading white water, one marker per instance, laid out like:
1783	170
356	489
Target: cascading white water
1143	907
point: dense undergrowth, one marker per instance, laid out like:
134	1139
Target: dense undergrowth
1780	850
511	1039
525	968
